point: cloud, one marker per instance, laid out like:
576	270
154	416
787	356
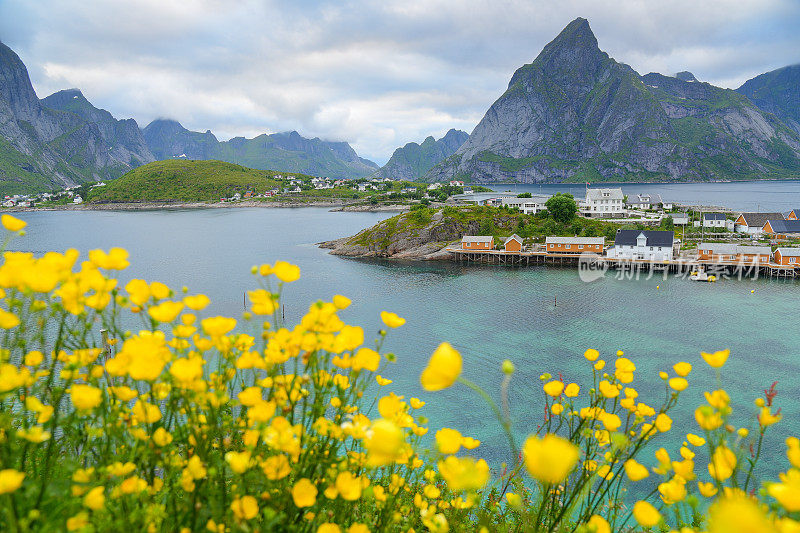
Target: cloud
377	74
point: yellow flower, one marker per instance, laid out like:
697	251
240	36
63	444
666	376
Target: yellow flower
85	396
10	480
646	515
416	403
263	302
600	365
146	412
722	463
357	528
95	499
328	527
787	492
682	369
349	486
162	437
550	459
238	461
611	421
707	418
599	523
572	390
197	302
635	470
554	388
77	522
218	326
464	473
672	491
304	493
443	368
663	423
8	320
286	272
766	418
793	451
138	291
385	443
607	389
382	381
115	259
392	320
737	513
678	384
276	467
706	489
591	354
716	359
165	311
624	369
366	358
187	370
12	224
341	302
448	441
245	508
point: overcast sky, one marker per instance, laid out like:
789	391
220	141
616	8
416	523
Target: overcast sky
377	74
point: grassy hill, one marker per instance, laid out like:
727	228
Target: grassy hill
180	180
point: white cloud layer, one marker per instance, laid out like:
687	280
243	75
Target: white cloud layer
374	73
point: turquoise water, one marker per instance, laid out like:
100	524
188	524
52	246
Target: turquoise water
489	313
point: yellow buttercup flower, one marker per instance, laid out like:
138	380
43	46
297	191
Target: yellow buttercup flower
448	441
554	388
599	523
645	514
591	354
663	423
8	320
672	491
722	463
304	493
165	311
766	418
392	320
330	527
341	302
245	508
146	412
218	326
572	390
706	489
736	513
385	443
85	397
550	459
286	272
464	473
787	492
793	451
197	302
12	224
635	471
607	389
716	359
10	480
443	368
349	486
95	499
682	369
678	384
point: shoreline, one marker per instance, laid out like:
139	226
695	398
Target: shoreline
157	206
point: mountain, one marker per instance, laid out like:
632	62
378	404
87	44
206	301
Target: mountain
123	137
777	92
413	160
42	147
286	152
576	114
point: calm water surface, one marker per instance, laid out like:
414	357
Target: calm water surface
489	313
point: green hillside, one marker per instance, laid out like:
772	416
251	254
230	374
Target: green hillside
177	180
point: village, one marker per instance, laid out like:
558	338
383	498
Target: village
765	243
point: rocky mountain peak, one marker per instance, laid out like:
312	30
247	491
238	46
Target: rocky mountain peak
685	75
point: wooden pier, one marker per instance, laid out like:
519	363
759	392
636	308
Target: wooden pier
677	266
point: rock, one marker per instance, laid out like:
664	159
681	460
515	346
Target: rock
413	160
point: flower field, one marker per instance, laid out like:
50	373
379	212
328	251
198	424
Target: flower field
209	423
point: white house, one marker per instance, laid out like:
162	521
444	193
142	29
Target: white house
752	223
651	245
434	186
456	183
605	203
714	220
529	206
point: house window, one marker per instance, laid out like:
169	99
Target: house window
552	245
580	247
651	248
792	259
569	246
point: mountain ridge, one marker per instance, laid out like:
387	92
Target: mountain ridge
413	160
576	114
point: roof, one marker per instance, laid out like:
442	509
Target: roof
678	215
513	237
732	249
759	219
713	216
478	238
789	252
627	237
784	226
604	194
575	240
